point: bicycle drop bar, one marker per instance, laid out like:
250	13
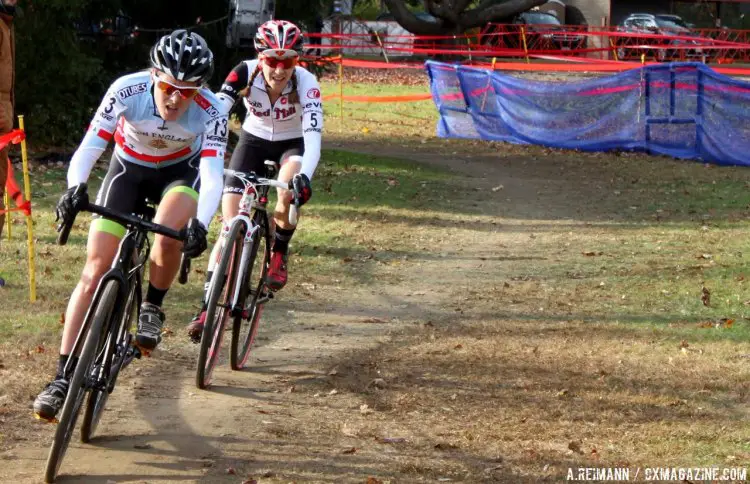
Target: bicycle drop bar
133	221
250	178
124	219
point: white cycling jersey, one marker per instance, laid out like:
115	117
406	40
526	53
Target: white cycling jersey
128	113
284	119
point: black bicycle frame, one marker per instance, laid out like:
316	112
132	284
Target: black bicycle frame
124	270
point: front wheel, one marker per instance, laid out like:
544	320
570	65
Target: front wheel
253	295
112	354
219	303
80	383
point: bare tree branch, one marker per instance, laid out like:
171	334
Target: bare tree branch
410	22
489	11
452	14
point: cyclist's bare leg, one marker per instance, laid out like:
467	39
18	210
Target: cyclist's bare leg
100	251
289	167
277	270
229	208
174	211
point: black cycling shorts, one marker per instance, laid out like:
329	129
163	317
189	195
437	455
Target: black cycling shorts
127	186
252	152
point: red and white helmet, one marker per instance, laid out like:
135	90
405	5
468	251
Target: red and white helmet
279	35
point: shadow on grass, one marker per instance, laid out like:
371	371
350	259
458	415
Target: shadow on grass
543	184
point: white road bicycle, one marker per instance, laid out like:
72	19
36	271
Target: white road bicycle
238	287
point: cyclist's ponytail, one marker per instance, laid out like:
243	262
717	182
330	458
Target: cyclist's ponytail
253	76
294	95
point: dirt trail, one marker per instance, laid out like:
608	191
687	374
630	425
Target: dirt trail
301	412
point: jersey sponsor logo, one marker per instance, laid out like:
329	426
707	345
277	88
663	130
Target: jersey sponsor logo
261	114
158	144
254	104
282	113
232	77
131	90
284	100
216	139
313	93
312	105
206	105
316	130
170	137
106	116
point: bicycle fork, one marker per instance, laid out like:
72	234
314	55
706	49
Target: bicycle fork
242	273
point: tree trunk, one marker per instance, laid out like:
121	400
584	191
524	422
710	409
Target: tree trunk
458	21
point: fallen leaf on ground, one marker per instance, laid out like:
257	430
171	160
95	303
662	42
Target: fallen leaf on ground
373	321
575	446
377	383
349	451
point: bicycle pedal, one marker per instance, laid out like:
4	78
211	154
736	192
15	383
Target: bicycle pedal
52	420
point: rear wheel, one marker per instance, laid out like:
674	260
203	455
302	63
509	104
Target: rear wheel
253	295
219	302
80	382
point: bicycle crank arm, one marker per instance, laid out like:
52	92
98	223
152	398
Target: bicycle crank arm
264	297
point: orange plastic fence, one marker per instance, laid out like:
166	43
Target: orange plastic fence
14	191
570	41
381	99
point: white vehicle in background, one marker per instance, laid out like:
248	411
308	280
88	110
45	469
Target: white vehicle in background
244	18
364	38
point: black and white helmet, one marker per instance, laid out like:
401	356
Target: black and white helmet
183	55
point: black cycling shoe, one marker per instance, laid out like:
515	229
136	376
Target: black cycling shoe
49	402
150	323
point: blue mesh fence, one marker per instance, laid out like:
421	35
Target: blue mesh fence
684	110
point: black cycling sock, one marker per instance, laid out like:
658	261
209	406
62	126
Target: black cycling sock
61	365
281	240
155	296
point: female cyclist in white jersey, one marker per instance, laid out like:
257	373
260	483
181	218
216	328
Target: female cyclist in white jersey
170	135
284	123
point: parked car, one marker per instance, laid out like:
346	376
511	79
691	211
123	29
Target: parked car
543	31
664	25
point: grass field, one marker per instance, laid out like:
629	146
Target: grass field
568	309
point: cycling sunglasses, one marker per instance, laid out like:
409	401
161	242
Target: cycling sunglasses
274	62
168	88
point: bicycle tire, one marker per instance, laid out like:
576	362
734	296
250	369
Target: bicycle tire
216	317
98	398
77	392
243	343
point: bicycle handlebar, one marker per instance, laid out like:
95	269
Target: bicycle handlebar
122	218
250	178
